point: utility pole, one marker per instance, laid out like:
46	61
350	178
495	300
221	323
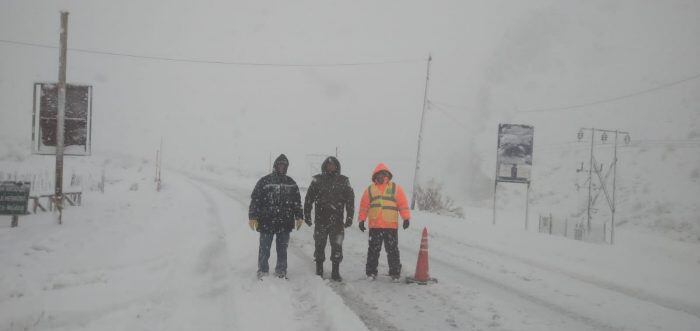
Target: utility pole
590	181
60	118
612	224
420	134
603	178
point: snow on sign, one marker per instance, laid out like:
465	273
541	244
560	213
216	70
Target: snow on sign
77	119
14	197
514	152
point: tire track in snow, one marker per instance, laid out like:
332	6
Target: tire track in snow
305	302
483	281
373	319
363	310
638	294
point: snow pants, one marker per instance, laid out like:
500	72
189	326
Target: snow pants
390	238
282	242
335	235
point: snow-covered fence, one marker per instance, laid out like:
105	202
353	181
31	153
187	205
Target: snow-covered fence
42	185
573	228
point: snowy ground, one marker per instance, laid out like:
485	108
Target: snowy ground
184	259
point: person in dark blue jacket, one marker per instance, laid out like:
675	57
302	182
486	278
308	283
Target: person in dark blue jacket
275	209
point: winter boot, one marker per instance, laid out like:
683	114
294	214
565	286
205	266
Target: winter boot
335	273
319	269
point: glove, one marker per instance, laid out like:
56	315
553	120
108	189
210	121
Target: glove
298	224
348	222
405	224
308	222
362	226
253	224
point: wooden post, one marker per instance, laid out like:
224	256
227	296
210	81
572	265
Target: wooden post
420	135
60	127
15	220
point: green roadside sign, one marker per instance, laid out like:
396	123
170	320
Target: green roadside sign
14	197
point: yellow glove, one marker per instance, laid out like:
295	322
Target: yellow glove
253	224
298	224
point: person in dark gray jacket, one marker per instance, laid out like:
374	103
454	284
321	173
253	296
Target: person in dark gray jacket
331	195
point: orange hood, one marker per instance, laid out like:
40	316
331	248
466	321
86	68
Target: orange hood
380	167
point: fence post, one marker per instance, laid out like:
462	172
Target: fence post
605	237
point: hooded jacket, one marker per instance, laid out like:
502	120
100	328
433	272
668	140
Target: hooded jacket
330	194
275	201
398	195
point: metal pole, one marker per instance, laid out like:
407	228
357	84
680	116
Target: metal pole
155	178
612	224
527	206
495	179
495	188
58	196
590	179
160	160
420	133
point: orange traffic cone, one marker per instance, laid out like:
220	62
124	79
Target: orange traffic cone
422	274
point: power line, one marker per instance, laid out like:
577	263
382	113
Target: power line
449	105
608	100
447	114
587	104
193	60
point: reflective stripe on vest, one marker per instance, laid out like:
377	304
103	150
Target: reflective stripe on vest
383	207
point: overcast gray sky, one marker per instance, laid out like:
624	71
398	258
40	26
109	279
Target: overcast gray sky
492	59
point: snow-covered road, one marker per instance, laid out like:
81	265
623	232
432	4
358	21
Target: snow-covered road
481	287
185	259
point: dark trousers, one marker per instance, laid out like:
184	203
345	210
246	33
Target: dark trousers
390	238
322	234
264	251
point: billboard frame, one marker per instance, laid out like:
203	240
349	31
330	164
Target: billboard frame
513	178
73	150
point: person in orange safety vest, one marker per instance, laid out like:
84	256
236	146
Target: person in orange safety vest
382	203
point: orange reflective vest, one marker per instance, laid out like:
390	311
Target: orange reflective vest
383	210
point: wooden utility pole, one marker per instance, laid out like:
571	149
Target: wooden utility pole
60	118
420	134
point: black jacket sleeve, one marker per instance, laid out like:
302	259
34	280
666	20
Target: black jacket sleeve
349	201
298	212
255	202
311	196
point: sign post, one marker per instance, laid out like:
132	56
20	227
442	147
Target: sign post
60	129
514	160
14	199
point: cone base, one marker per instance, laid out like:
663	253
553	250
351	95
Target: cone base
411	280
